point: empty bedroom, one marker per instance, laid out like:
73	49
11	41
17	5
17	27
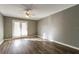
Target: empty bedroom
39	28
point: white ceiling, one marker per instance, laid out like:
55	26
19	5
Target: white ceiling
38	10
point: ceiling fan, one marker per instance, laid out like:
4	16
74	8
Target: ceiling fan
29	10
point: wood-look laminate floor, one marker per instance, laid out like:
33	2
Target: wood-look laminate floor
24	46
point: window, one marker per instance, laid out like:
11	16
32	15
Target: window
19	29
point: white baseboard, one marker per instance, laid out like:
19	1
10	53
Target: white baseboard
1	42
73	47
67	45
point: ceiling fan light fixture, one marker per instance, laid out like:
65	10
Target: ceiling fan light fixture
26	16
28	12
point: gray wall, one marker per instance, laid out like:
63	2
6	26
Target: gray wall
32	28
8	26
62	27
1	28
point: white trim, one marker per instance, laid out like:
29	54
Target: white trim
1	42
66	45
73	47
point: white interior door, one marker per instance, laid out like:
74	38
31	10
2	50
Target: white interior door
19	29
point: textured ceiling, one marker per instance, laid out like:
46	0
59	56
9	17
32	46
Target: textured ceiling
38	10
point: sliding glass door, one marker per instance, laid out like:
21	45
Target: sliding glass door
16	29
23	29
19	29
